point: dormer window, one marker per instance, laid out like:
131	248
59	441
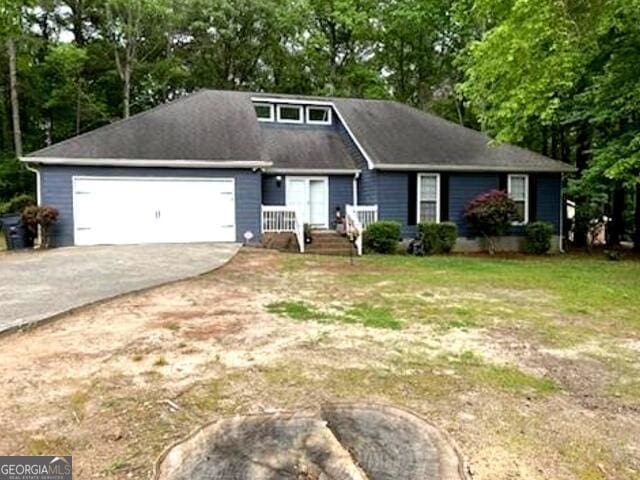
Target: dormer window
264	112
319	115
290	114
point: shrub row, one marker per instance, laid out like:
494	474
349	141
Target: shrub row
439	238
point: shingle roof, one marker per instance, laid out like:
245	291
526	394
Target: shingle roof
396	135
213	125
302	148
207	125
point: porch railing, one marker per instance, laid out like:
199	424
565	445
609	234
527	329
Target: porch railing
366	214
282	219
354	227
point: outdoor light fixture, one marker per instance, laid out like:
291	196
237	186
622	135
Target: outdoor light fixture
279	180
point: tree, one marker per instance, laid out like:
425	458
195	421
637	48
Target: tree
10	13
133	27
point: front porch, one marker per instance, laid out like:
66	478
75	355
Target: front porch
285	226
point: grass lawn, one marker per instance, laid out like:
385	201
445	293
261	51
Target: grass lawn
531	365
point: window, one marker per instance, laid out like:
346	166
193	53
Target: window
519	192
319	115
290	114
264	112
428	197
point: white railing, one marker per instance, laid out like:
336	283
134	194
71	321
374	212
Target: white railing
282	219
366	214
354	227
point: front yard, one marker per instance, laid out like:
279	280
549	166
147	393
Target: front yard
531	365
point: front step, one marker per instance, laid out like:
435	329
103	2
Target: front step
328	242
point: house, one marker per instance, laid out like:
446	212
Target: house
224	166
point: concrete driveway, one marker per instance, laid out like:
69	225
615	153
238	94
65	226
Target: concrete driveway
38	285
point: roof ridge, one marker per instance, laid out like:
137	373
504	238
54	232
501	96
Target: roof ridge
120	121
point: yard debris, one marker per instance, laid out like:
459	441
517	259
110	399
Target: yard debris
173	407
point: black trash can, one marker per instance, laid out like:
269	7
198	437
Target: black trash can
16	236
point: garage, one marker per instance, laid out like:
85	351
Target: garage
127	210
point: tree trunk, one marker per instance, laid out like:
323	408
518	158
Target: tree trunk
583	154
15	105
636	238
127	89
616	227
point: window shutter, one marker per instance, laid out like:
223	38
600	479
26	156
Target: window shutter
503	182
412	196
444	197
533	198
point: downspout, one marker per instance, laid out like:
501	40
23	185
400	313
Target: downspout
355	189
38	196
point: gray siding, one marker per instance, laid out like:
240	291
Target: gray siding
463	187
340	193
57	191
368	187
391	190
393	204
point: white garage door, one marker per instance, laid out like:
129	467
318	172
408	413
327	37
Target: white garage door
153	210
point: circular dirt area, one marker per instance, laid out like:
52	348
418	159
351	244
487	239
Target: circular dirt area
338	442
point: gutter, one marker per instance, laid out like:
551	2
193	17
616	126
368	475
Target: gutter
467	168
129	162
313	171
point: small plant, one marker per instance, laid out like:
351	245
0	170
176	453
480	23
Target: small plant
437	237
17	204
382	237
538	237
491	214
43	217
613	255
307	233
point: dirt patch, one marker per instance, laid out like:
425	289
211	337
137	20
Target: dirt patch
115	384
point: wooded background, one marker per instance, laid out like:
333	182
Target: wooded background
561	77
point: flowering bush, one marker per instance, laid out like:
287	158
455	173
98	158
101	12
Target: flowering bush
491	214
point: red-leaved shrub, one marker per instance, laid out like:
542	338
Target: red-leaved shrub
491	214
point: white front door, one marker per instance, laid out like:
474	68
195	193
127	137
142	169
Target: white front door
153	210
310	197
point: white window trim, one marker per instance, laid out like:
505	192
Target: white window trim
526	196
318	122
298	107
420	176
271	111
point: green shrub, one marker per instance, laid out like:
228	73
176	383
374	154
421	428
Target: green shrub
382	237
17	204
438	237
538	237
